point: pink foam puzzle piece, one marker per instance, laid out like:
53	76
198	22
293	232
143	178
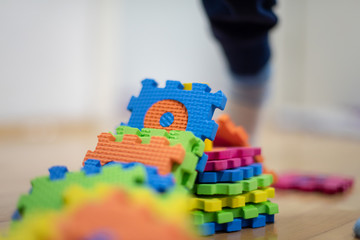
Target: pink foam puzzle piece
223	164
314	182
233	152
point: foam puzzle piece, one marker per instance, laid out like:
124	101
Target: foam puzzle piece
211	228
16	216
214	204
200	167
157	153
154	180
236	188
230	175
91	166
172	205
233	152
357	228
250	210
219	165
208	145
193	146
57	172
46	193
314	182
195	159
119	216
230	135
109	212
192	109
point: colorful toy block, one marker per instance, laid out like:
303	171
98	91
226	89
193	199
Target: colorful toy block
233	152
154	180
211	228
57	172
230	135
172	205
357	228
191	110
251	210
220	165
195	159
200	167
187	139
157	153
214	204
230	175
119	217
208	145
46	193
193	146
236	188
108	212
311	182
132	177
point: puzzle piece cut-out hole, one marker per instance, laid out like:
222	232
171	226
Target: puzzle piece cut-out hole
166	119
167	114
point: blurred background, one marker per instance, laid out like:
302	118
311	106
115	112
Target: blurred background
68	69
69	62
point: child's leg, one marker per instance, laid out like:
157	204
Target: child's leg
241	27
247	96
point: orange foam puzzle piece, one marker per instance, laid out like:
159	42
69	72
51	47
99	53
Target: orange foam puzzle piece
157	153
179	111
230	134
117	217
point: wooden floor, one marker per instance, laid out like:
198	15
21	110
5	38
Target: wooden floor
28	153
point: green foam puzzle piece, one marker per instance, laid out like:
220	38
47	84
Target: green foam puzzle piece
47	194
228	214
235	188
185	173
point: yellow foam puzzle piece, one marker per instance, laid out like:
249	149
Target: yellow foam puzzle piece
208	145
214	204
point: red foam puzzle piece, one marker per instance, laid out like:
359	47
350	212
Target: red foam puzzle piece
314	182
219	165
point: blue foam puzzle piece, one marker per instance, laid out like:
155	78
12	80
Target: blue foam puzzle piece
16	216
357	228
233	226
199	102
230	175
200	167
154	180
158	182
101	236
57	172
166	119
269	218
207	229
237	224
259	221
92	166
258	169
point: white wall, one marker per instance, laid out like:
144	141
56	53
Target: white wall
168	39
45	49
57	59
84	59
317	62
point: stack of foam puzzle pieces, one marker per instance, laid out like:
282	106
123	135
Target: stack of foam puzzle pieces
141	177
233	192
